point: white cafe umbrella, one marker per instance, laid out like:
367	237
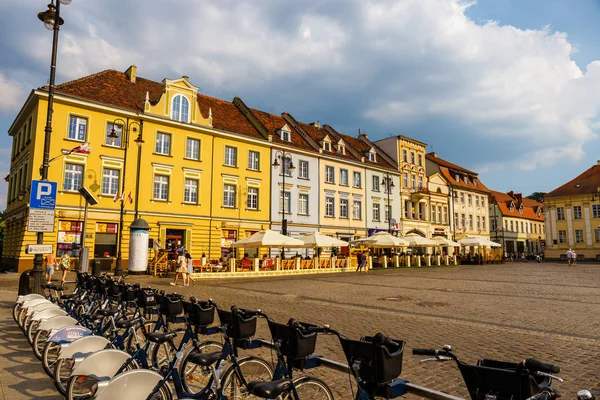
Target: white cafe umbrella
445	242
317	239
478	241
382	240
268	238
415	240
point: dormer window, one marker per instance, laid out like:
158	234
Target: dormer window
341	149
466	179
372	157
475	181
326	146
180	108
457	177
512	206
521	209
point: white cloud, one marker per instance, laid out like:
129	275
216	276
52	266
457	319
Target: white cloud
387	61
11	94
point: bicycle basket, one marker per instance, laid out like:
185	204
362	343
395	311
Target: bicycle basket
379	363
294	343
238	327
129	293
203	314
114	289
101	286
146	298
499	379
171	305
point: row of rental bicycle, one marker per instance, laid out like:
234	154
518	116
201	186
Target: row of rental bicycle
112	340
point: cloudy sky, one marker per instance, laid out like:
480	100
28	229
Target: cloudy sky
508	88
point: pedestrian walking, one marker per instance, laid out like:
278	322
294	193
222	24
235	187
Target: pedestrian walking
363	262
190	268
50	264
569	257
358	260
180	270
574	257
65	263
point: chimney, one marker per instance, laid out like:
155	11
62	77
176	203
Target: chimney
511	194
316	124
131	73
598	162
434	154
187	78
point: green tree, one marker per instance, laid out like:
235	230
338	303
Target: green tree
537	196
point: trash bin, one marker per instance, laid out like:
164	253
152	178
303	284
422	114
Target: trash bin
96	267
26	283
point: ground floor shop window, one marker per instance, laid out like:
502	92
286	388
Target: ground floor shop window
228	237
105	244
69	236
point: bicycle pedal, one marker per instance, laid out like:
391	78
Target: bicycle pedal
164	370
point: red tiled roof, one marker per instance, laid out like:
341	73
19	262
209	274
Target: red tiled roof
586	183
318	134
480	187
114	88
448	164
226	116
364	148
529	206
275	122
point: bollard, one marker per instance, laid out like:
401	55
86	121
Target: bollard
385	261
439	259
396	261
96	267
447	260
418	261
256	262
26	283
408	261
428	261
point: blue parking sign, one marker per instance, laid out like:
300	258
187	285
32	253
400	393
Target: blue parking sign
43	195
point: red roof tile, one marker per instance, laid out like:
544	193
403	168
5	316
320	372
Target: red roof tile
274	123
586	183
529	206
470	185
114	88
448	164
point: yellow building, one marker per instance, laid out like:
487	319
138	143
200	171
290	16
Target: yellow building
572	214
203	169
517	223
414	193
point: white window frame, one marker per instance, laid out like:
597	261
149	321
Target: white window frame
329	174
357	183
387	209
192	144
404	155
285	201
330	206
303	204
595	211
253	160
562	236
110	181
252	198
376	212
118	131
579	236
343	177
79	122
357	209
230	159
229	195
158	180
560	213
161	143
191	185
70	176
177	115
303	169
576	212
375	183
344	205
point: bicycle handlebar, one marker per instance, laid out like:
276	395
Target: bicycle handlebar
534	365
427	352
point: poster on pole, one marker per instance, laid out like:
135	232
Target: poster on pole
40	220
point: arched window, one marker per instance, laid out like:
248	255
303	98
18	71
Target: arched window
180	110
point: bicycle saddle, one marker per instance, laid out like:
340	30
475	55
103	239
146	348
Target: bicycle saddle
125	323
269	390
109	312
161	338
205	359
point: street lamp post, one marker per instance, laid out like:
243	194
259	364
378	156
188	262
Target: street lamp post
127	127
284	157
389	185
52	21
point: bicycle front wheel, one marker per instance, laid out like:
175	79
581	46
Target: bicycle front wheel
311	388
252	369
49	357
194	378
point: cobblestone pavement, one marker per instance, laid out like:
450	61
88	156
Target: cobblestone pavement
505	312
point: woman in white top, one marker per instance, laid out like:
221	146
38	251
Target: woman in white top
181	269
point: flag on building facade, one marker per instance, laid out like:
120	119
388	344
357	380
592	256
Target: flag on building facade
130	198
82	149
116	196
